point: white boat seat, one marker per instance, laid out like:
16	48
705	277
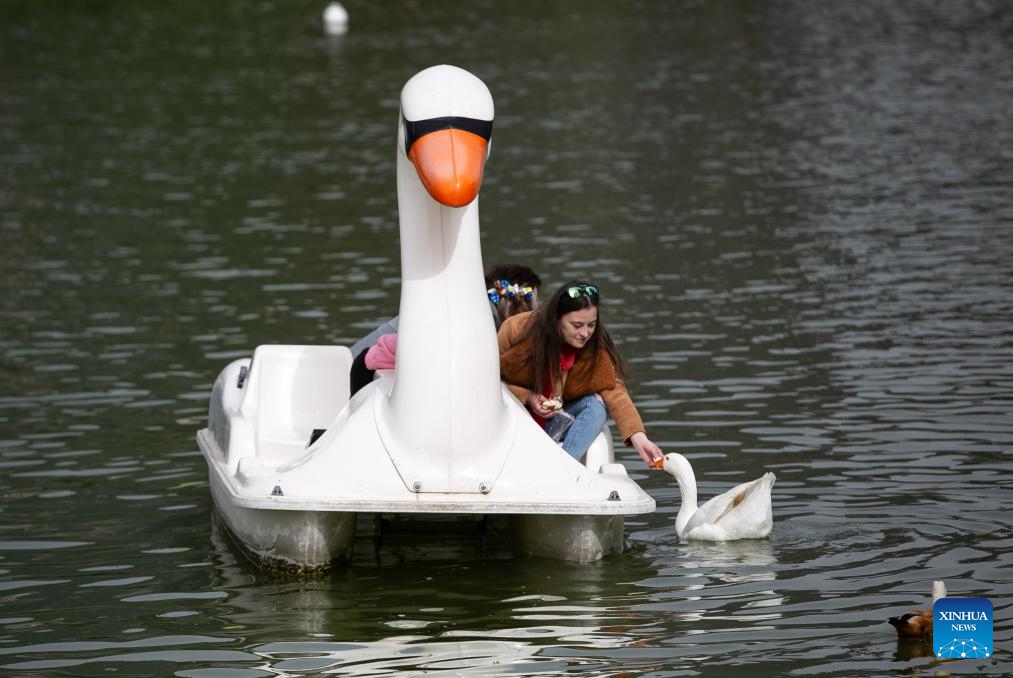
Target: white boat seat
291	391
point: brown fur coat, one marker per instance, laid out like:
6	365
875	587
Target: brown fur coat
585	377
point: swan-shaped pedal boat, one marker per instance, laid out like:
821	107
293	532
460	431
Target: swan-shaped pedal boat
743	512
438	434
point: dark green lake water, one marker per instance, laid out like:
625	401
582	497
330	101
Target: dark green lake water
801	218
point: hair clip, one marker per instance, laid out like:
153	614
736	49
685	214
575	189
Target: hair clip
505	289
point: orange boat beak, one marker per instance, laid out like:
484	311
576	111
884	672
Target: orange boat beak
450	163
658	463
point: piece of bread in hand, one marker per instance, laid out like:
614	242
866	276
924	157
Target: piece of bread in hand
553	404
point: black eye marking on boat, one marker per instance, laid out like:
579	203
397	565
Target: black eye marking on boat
416	129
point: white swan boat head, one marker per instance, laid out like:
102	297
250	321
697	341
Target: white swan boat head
439	434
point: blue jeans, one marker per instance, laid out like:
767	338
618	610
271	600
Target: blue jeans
589	416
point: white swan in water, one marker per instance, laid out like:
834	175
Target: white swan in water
742	512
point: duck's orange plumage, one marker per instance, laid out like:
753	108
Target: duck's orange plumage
913	624
918	623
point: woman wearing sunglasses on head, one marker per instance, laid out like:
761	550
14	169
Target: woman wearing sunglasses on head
560	356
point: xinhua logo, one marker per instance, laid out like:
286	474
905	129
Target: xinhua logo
962	627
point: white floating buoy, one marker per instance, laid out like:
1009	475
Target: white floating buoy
335	19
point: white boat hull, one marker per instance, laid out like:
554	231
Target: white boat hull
293	506
293	541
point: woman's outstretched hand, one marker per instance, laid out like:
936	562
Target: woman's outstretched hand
537	404
648	451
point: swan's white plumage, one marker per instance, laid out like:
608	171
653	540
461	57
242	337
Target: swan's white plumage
743	512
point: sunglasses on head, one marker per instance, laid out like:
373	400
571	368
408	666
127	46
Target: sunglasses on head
586	290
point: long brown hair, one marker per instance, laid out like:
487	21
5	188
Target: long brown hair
548	342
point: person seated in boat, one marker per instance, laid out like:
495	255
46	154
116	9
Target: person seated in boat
561	357
511	288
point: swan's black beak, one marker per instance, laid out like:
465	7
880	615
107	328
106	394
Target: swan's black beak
449	154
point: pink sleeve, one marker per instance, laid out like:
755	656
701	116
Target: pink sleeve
382	354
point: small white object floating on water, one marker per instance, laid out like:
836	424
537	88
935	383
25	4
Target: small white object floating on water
335	19
743	512
438	435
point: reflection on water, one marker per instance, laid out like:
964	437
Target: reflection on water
800	218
